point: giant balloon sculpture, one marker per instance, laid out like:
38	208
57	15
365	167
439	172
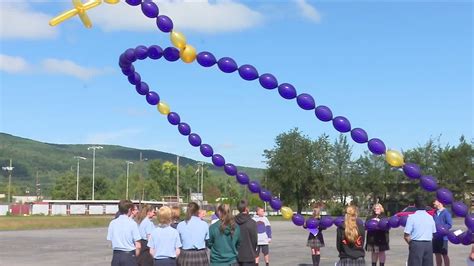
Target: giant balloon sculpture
187	53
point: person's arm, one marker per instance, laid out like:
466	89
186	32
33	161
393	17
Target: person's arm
448	220
268	229
339	239
407	238
152	252
210	241
408	230
178	244
138	247
254	236
472	253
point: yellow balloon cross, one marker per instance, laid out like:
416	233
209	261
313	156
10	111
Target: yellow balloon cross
79	9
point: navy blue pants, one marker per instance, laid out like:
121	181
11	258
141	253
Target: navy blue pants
124	258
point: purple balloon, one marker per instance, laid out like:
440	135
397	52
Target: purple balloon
339	221
305	101
150	9
312	223
268	81
142	88
130	55
128	70
230	169
412	170
323	113
466	238
359	135
428	183
326	221
276	204
376	146
460	209
152	98
394	221
173	118
134	78
206	59
265	195
164	23
371	225
298	219
441	230
171	54
383	224
155	52
287	91
194	139
184	129
469	221
206	150
444	196
227	65
242	178
254	186
341	124
141	52
248	72
453	238
123	61
218	160
133	2
403	221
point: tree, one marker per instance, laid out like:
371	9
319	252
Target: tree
65	187
341	163
291	168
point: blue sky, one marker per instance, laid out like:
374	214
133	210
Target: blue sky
401	70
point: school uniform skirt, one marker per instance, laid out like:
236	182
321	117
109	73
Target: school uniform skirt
191	257
351	262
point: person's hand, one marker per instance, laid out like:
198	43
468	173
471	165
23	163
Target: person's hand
269	240
471	257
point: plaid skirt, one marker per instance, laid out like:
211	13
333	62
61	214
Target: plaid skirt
315	243
351	262
193	258
375	248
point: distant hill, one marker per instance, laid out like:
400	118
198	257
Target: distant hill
49	160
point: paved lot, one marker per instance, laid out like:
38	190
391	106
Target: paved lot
88	247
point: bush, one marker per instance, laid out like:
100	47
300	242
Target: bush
335	208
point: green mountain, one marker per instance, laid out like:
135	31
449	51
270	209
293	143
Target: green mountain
47	161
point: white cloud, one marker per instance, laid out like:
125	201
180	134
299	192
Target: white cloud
111	137
197	15
13	64
18	21
308	11
67	67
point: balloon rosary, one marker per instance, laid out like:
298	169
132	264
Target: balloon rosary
188	54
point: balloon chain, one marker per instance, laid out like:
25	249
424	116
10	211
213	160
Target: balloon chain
305	101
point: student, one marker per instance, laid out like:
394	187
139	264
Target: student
377	240
419	232
224	238
440	244
350	240
175	214
125	237
145	227
134	213
248	235
164	240
194	233
264	231
316	242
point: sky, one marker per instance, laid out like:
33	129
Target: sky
401	70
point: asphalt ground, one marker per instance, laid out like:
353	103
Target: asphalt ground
89	247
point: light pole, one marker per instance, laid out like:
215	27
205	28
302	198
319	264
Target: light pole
78	158
177	180
9	169
128	172
93	148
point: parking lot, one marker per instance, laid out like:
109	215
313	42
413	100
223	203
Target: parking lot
89	247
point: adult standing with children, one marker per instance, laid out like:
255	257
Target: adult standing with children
248	235
377	240
125	237
224	238
193	233
419	232
443	218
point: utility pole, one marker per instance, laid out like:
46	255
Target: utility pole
202	181
93	148
9	169
37	187
128	173
78	158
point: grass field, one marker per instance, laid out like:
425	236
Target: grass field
9	223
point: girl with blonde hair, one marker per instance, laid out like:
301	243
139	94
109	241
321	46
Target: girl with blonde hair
377	240
350	240
164	241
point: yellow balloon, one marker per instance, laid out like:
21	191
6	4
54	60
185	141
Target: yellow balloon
178	39
188	54
79	9
111	1
163	108
286	212
394	158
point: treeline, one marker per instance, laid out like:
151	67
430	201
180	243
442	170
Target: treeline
303	171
